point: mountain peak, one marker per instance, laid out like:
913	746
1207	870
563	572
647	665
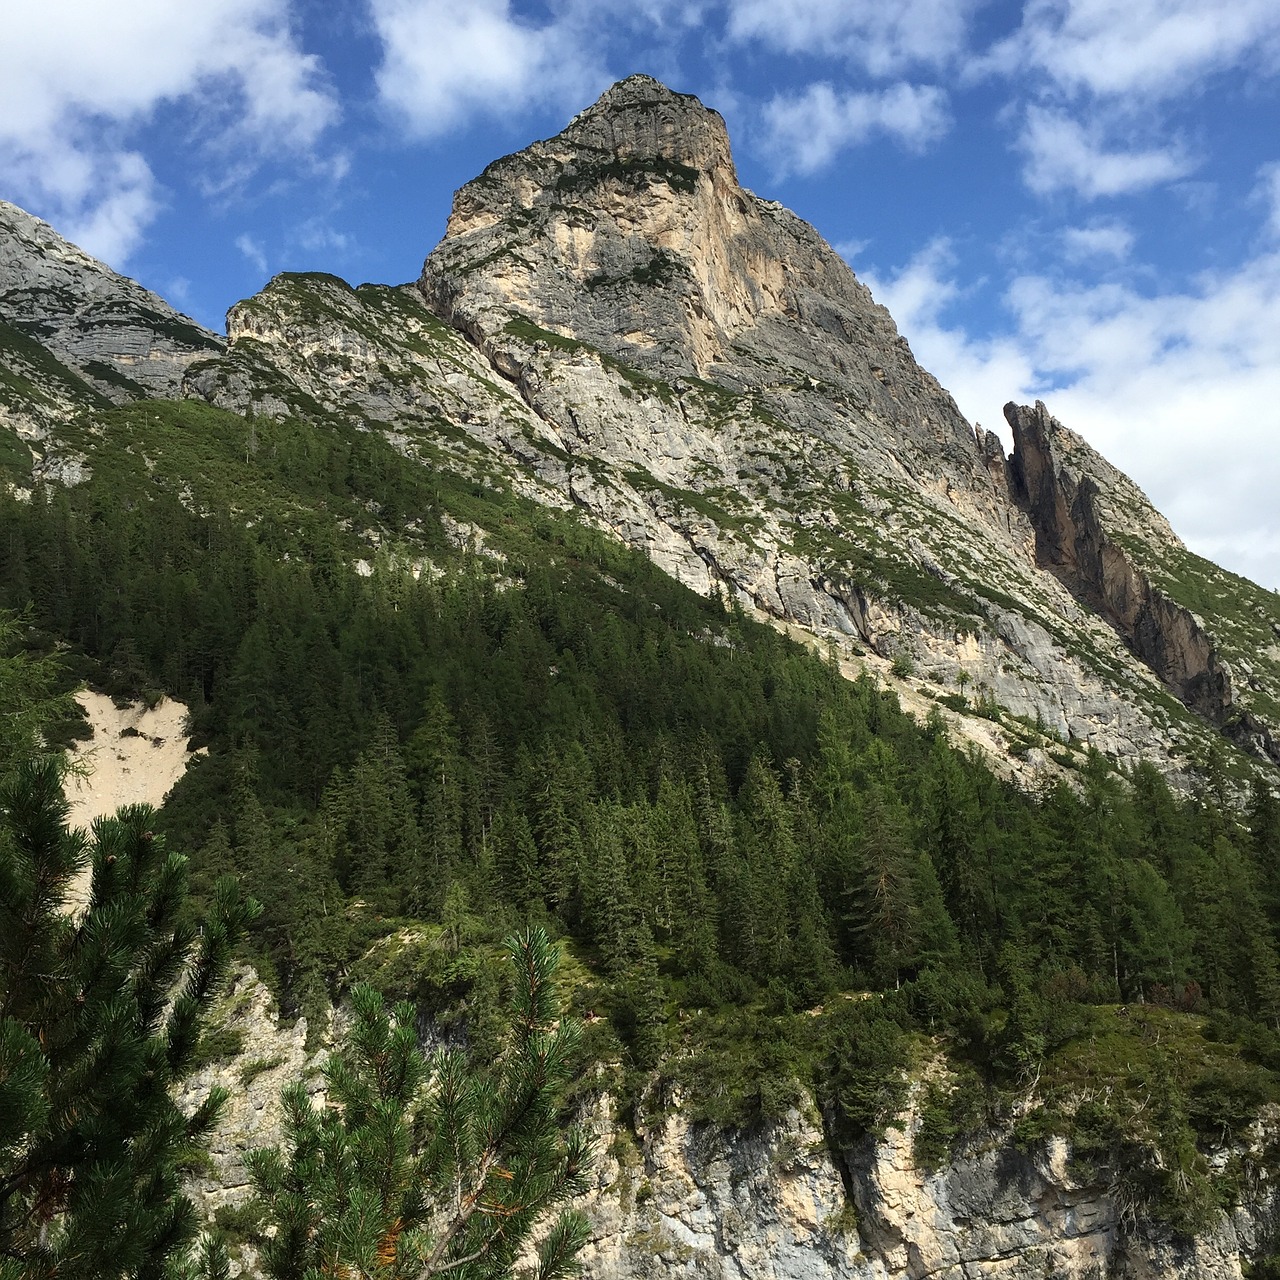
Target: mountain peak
629	231
640	118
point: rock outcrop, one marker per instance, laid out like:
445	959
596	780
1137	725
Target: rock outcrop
689	1199
1096	530
120	338
683	1207
629	232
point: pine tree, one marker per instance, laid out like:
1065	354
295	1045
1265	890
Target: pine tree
92	1037
420	1167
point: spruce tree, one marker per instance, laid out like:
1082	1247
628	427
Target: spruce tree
99	1019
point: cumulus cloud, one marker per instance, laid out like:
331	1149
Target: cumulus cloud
982	374
883	39
77	76
443	62
1084	73
1064	155
1180	389
1148	48
805	132
850	250
253	251
1097	240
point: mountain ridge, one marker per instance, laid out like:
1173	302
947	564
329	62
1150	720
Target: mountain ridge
422	560
612	323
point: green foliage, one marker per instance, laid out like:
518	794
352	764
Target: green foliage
729	836
951	1109
1143	1095
416	1168
742	1068
218	1044
868	1073
31	698
98	1020
252	1070
632	170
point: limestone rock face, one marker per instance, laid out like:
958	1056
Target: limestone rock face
766	373
689	1199
612	322
772	1201
1096	530
120	338
270	1056
629	232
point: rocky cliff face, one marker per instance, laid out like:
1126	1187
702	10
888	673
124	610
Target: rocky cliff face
612	321
629	233
1098	533
689	1199
119	338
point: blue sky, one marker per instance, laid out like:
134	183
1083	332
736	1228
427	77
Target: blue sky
1077	200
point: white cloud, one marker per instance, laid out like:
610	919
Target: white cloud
77	76
804	133
883	38
982	374
660	16
1064	155
316	236
1180	389
850	250
1094	81
253	250
1097	240
1148	48
443	62
122	201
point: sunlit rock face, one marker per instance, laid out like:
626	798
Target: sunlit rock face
612	322
775	1200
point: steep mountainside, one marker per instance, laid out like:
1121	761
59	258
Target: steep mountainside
1210	635
463	581
696	370
76	336
122	339
613	322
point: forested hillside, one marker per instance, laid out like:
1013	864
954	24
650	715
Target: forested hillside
731	835
466	583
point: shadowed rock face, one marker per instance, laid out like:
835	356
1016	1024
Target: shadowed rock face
122	339
1066	509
